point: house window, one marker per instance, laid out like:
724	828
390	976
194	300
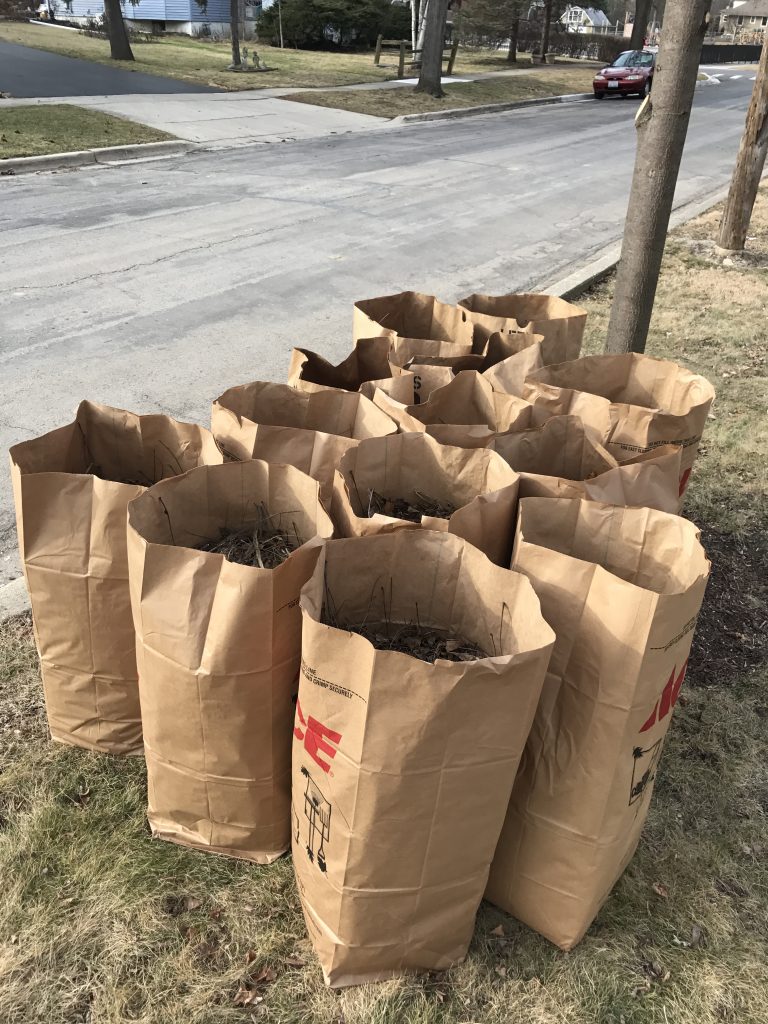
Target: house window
765	22
739	21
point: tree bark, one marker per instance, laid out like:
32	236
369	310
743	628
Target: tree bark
119	43
234	28
545	31
640	25
749	164
415	24
662	124
512	54
431	72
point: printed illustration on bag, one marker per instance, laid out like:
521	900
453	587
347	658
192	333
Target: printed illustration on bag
317	811
668	698
315	736
644	767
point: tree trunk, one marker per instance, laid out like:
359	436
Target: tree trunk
512	54
640	25
234	28
545	32
119	44
662	124
415	24
749	164
431	72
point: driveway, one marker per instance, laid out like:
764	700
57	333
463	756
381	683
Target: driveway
27	72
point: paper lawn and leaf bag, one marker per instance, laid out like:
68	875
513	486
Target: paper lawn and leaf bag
219	645
466	413
309	431
649	402
365	368
402	768
71	488
561	459
415	324
622	589
506	363
406	480
560	322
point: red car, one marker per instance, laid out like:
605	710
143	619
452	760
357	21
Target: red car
631	72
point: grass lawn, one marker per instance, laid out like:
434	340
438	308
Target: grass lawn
61	128
403	100
100	924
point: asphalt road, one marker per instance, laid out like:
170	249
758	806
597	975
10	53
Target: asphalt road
156	286
26	72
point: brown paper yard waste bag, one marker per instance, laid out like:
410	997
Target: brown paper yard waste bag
467	412
219	645
402	480
561	459
402	768
71	488
622	588
560	322
415	324
650	402
310	431
365	368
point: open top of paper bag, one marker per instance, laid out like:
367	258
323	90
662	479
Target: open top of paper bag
412	315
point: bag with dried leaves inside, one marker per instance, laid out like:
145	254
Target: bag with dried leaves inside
366	368
71	488
311	431
415	324
387	483
467	412
646	402
561	459
622	588
559	322
217	559
422	664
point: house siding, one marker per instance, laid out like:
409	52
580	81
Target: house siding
187	11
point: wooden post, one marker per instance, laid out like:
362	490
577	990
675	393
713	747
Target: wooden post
377	55
452	58
749	164
662	124
401	66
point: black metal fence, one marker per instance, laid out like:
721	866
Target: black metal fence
713	53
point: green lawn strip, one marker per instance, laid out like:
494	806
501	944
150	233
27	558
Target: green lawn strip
404	100
61	128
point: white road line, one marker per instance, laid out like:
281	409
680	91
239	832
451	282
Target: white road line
736	76
718	74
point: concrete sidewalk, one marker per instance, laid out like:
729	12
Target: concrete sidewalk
225	120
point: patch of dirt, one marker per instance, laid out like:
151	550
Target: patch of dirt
706	249
732	631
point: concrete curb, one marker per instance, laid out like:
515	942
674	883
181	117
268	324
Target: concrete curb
489	108
13	596
105	155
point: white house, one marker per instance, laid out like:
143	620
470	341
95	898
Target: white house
585	20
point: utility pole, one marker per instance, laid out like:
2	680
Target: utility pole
749	164
662	125
280	21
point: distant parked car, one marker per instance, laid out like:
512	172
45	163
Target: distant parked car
631	72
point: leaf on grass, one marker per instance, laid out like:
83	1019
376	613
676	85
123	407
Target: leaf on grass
294	961
216	914
501	971
498	931
661	890
696	935
191	903
246	996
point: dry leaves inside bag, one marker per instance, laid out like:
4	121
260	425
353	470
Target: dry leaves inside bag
310	431
650	402
622	588
402	766
217	559
410	479
71	488
365	368
560	323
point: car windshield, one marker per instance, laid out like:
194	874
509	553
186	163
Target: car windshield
633	59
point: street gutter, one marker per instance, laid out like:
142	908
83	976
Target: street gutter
103	155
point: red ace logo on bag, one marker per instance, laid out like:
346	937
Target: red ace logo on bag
314	736
668	698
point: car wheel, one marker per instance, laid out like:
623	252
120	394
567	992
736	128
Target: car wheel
599	95
644	91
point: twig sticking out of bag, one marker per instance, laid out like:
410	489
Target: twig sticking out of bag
264	545
401	508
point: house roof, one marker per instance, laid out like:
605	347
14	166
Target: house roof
599	17
753	9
